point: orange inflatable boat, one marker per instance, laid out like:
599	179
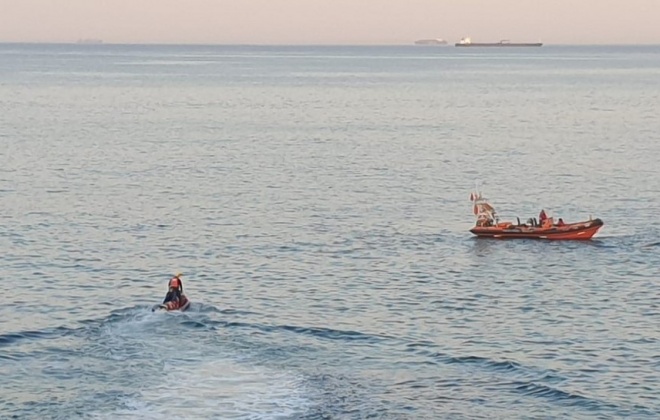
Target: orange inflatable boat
489	226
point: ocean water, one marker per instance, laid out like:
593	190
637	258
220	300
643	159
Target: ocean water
317	201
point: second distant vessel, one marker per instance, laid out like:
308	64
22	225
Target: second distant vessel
467	42
434	41
89	41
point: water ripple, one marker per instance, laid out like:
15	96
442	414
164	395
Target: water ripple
316	200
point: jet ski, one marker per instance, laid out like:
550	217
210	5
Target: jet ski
180	305
175	300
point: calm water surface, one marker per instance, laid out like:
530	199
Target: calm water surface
316	200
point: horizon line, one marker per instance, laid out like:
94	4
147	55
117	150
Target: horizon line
99	42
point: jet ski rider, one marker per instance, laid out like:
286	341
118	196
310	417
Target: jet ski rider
174	299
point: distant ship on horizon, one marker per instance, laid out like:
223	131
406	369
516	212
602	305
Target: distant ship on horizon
89	41
467	42
434	41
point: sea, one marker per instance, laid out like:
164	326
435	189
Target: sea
317	201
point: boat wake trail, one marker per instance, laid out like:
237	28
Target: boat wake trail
140	364
210	362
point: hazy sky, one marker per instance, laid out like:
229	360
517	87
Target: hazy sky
330	21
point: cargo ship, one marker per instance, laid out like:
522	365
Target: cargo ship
467	42
434	41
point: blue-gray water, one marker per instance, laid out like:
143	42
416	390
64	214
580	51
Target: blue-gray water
317	201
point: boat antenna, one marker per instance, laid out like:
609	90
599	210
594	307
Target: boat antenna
477	187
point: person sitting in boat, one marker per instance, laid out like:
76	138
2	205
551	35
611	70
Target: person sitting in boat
174	299
484	221
560	222
542	217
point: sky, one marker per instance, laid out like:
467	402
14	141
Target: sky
330	21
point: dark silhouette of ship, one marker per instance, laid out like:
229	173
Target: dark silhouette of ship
467	42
